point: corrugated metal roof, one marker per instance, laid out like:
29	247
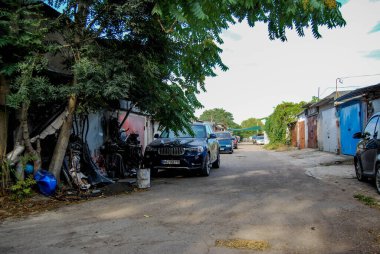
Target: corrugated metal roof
359	92
329	99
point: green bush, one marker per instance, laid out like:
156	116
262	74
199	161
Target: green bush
22	189
276	125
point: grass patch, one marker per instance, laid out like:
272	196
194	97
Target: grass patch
243	244
369	201
277	147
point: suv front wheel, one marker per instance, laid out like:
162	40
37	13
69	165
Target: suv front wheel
359	171
377	179
205	171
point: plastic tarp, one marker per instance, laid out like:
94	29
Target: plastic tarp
253	128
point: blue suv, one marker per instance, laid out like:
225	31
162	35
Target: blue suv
184	151
226	141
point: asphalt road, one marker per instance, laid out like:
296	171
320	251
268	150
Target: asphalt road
254	195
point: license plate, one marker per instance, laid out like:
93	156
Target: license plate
170	162
222	148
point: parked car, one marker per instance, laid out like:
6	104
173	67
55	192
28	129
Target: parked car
225	141
259	140
367	157
235	142
184	151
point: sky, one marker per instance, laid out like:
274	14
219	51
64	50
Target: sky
263	73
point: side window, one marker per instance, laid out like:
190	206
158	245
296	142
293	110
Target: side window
369	131
377	130
208	130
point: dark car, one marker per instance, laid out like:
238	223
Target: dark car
184	151
225	141
367	157
235	141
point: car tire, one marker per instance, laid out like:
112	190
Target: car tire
377	179
359	171
216	164
205	171
153	172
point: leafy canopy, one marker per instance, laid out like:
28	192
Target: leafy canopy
22	60
219	115
250	122
157	53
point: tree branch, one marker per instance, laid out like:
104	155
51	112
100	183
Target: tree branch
170	30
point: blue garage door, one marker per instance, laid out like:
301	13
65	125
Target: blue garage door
350	123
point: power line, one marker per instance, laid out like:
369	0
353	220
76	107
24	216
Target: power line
340	79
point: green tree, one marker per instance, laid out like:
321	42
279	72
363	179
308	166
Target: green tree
22	29
219	115
250	122
276	125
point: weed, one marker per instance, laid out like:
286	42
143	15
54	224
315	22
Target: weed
369	201
22	189
277	147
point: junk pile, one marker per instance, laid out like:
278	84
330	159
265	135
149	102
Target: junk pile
82	174
119	157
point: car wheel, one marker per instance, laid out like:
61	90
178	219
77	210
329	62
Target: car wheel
153	172
377	179
359	171
205	171
216	164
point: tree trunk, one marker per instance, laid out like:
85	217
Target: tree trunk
63	140
3	117
3	135
26	137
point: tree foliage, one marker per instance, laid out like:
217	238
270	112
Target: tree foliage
23	31
277	123
250	122
219	115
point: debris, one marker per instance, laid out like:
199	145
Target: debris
117	188
243	244
46	182
312	228
146	216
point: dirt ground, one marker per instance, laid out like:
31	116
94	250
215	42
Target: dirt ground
37	203
257	202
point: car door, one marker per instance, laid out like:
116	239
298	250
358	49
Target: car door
211	144
369	146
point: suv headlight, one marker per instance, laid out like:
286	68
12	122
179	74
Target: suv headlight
198	149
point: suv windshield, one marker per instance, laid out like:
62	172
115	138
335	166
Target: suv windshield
199	132
223	135
260	137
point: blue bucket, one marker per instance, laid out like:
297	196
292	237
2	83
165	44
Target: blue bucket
46	182
29	168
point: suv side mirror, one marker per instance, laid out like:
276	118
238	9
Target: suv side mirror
212	135
357	135
156	135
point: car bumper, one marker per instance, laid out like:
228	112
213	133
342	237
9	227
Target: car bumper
190	162
225	149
